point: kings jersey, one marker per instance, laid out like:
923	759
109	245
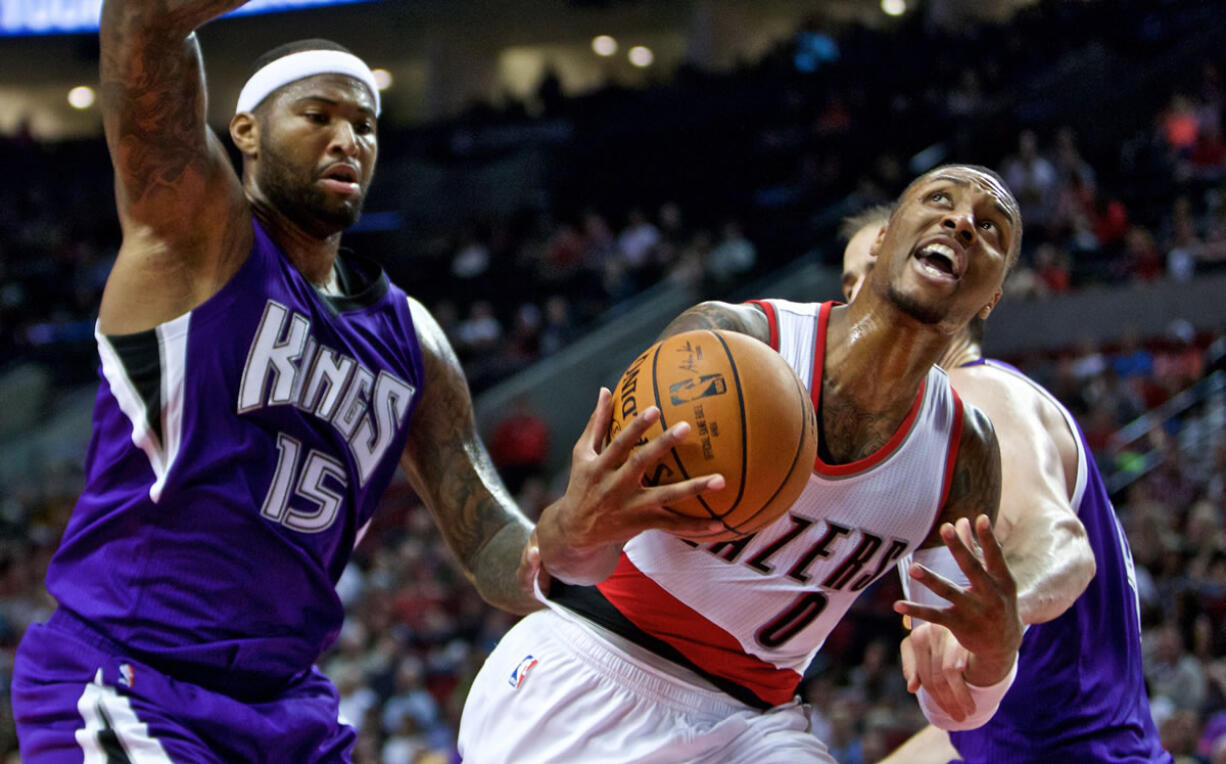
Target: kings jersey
1080	691
750	614
237	450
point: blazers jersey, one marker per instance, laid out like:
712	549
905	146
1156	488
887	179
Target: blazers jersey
1080	691
749	615
237	450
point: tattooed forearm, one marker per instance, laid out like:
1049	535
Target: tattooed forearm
450	470
744	319
494	567
975	486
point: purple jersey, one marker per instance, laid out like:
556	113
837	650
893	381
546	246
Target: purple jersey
237	451
1080	691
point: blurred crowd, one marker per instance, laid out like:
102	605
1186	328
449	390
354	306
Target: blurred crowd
715	202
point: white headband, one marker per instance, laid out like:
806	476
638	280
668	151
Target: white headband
297	66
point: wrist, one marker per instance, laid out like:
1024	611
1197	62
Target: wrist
579	565
989	670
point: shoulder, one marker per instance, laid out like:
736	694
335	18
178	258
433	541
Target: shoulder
974	487
1028	421
744	318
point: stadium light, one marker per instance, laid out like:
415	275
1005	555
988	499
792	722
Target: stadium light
641	56
894	7
604	45
81	97
383	78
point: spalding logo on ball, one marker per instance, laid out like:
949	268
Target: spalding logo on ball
752	422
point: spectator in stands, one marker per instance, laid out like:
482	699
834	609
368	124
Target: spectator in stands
638	241
1178	126
1052	269
731	258
1033	181
1133	361
1173	673
1142	260
559	329
519	444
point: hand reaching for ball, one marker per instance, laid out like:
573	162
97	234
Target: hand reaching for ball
606	502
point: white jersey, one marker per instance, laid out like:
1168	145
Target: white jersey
750	614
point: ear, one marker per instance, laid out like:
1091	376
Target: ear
245	132
875	248
986	309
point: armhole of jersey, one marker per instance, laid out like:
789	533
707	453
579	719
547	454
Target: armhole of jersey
146	372
772	319
951	456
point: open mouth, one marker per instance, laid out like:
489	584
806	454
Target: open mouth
939	259
342	173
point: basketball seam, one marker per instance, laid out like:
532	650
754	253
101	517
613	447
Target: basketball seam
655	391
795	458
740	396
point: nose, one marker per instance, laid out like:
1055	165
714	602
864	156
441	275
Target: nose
961	225
344	139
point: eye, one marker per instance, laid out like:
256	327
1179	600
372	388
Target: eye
318	117
988	225
363	127
938	196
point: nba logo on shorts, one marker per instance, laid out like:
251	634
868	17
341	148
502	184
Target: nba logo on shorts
521	671
126	675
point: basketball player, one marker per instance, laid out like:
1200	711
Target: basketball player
1080	693
257	393
692	652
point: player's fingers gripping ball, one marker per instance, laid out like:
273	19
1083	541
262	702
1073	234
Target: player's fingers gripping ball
752	422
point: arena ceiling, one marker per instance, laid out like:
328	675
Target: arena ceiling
443	54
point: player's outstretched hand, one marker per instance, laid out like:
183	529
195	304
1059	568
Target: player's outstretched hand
933	659
982	618
606	502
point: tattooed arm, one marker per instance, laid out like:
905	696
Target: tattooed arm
745	318
451	471
185	222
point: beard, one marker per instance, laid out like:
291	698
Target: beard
924	313
304	203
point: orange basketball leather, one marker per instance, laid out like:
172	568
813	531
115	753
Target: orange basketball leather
751	417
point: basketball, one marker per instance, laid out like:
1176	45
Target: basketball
752	422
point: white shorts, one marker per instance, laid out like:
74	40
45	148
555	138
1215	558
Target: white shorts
554	690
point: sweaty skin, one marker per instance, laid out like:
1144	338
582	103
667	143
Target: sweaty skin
893	335
1043	540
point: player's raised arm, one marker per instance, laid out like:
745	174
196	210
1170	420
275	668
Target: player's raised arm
745	318
173	181
1047	547
451	471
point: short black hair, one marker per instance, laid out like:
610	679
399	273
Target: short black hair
298	46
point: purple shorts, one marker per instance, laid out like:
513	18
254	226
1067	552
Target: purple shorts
77	699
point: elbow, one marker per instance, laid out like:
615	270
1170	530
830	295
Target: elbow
1087	567
1082	566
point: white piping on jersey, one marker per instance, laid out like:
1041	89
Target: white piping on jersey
102	708
172	363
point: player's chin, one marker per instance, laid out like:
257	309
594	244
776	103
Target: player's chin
340	216
925	305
